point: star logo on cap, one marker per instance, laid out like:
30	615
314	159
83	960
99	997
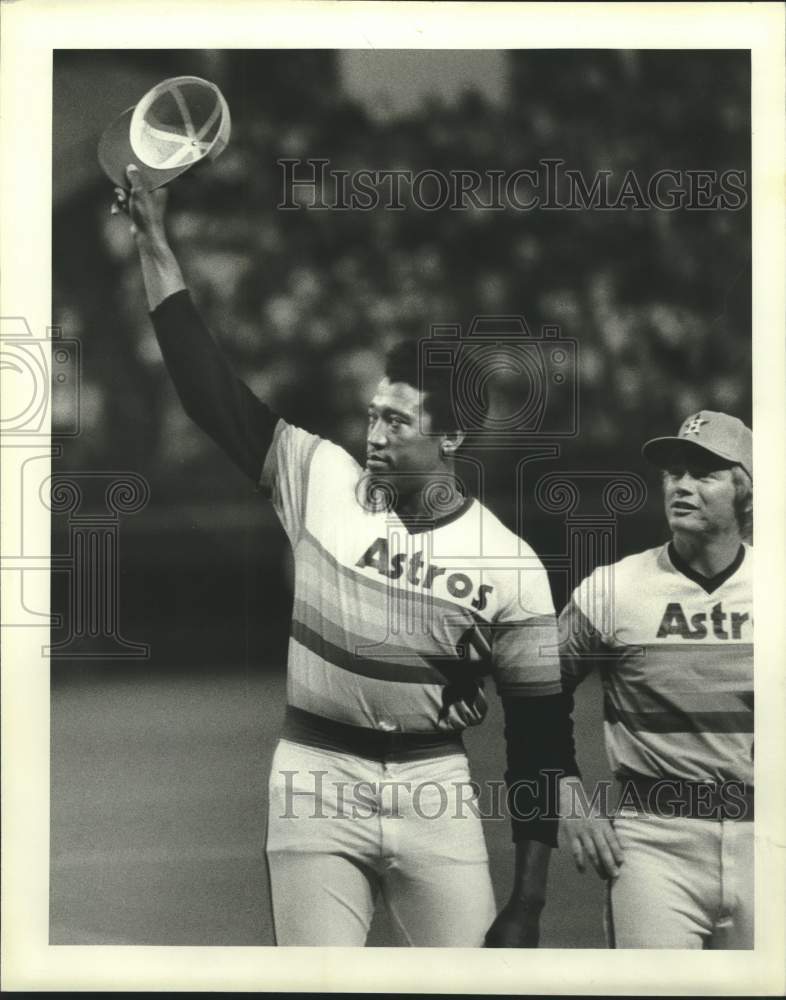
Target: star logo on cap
694	426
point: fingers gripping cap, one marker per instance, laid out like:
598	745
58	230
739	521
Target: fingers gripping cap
717	433
180	122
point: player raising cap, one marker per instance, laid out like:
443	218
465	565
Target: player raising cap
671	630
369	784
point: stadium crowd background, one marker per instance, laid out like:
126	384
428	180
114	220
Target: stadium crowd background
300	299
303	303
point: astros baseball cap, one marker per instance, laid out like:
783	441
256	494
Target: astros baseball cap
718	433
177	123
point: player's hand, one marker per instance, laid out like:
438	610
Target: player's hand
590	835
517	925
146	209
593	838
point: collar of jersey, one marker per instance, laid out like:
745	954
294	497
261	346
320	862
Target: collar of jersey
707	583
416	525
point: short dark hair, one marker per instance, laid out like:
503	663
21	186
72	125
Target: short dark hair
403	364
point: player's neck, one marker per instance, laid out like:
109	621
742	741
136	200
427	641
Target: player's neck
433	502
707	556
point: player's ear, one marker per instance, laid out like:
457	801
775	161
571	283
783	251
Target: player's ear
450	443
747	511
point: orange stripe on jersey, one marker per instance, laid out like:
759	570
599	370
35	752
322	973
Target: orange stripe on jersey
679	722
380	669
378	612
678	681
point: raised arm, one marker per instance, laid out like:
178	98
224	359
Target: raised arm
212	396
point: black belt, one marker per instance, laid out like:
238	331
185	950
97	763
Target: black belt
679	798
375	744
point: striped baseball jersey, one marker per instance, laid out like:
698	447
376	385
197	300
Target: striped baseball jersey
676	664
393	629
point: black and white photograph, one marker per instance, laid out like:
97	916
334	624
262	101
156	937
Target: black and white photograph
379	507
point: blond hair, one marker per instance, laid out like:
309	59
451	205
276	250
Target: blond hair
743	501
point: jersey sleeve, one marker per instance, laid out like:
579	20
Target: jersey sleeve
525	655
287	472
581	639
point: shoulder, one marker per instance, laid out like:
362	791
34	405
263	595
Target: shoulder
291	438
513	569
626	576
333	475
637	564
498	539
332	456
296	452
640	564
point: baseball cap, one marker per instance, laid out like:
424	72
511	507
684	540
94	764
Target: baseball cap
177	123
718	433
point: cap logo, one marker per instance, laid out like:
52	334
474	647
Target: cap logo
694	426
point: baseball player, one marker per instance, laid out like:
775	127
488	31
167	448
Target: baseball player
405	597
671	630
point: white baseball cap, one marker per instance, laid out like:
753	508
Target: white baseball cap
180	122
718	433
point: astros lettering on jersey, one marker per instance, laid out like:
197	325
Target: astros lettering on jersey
676	665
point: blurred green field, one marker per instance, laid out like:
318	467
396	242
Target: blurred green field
158	788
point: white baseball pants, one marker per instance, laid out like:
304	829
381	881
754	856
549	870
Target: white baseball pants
343	830
684	883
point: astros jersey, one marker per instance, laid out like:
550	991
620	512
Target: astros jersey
676	665
392	629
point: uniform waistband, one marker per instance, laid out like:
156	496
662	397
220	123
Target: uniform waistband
678	798
327	734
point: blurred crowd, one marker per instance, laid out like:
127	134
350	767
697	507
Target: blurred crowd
304	302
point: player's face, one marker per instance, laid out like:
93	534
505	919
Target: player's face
699	497
398	442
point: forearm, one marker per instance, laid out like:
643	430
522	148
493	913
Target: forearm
517	925
160	270
531	873
540	747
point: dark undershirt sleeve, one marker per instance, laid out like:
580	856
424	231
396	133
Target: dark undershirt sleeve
211	394
540	747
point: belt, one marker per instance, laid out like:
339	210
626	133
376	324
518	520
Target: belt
362	741
678	798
